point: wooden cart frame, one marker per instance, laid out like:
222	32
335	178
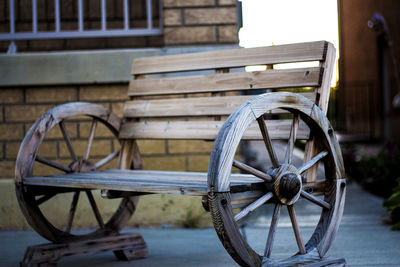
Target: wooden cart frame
193	103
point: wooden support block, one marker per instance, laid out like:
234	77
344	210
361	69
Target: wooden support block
325	262
125	247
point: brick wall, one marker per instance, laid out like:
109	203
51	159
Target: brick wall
186	22
194	22
20	107
69	21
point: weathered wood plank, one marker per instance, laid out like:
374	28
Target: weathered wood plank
167	182
221	82
324	90
204	130
323	101
199	106
196	106
231	58
124	246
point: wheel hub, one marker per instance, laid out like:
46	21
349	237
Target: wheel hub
82	166
287	184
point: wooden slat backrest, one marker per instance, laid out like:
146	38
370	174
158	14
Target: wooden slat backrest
314	51
160	107
269	79
195	106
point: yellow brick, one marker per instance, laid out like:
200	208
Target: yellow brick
231	93
100	148
228	34
2	152
198	163
25	113
172	17
56	94
187	3
227	2
118	109
199	95
101	130
56	133
40	169
103	92
11	96
210	15
110	165
7	169
189	146
189	35
12	149
149	147
172	163
11	131
116	144
48	150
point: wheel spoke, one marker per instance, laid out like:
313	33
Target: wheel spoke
259	202
292	139
107	159
43	199
315	200
67	140
267	142
90	141
272	230
296	229
72	210
312	161
251	170
95	209
53	164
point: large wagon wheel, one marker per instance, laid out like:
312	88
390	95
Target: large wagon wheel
32	198
282	185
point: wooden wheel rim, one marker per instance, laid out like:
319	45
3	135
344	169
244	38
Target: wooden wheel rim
25	163
220	166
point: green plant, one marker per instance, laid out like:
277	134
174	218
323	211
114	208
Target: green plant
375	173
190	220
393	206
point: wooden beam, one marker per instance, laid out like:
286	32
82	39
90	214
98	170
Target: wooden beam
196	106
222	82
204	130
182	183
313	51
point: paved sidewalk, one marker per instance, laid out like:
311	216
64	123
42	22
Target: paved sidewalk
362	240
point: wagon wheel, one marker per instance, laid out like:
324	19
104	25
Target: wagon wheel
32	199
282	185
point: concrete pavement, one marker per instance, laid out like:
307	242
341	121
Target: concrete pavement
362	240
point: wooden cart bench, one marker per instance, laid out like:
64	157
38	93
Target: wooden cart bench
189	97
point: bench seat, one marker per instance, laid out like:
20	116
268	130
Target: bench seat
172	182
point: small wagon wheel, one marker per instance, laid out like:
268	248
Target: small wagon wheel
282	185
32	198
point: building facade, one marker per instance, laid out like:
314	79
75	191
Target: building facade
44	73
